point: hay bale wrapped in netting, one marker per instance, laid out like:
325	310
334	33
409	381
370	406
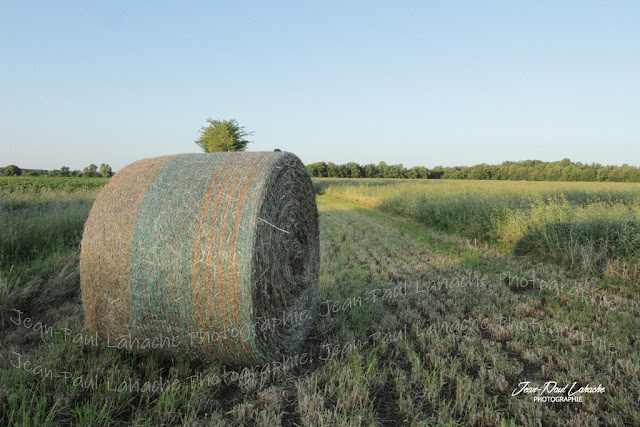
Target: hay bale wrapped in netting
208	256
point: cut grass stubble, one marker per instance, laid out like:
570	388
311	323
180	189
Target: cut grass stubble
386	361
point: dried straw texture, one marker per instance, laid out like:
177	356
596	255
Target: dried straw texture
209	256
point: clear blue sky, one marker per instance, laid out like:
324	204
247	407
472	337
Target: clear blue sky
419	83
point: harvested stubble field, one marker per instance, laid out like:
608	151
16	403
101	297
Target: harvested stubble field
428	314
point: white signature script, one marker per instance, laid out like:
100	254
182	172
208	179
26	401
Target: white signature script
552	387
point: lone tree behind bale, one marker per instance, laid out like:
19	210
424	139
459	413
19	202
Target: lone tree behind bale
223	135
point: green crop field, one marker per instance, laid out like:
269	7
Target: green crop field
439	301
35	184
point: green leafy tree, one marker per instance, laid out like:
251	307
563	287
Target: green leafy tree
481	171
418	172
395	171
354	170
90	171
64	171
318	169
11	170
223	135
530	170
105	170
332	170
370	171
383	170
436	173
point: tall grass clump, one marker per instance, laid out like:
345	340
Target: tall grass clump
587	226
40	233
587	237
41	285
474	216
34	226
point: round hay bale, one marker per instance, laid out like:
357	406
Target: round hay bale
209	256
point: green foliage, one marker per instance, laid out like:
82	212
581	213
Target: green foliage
90	171
65	171
105	171
528	170
35	224
11	170
318	169
223	135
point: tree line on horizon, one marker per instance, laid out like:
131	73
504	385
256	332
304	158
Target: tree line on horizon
228	135
91	171
527	170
